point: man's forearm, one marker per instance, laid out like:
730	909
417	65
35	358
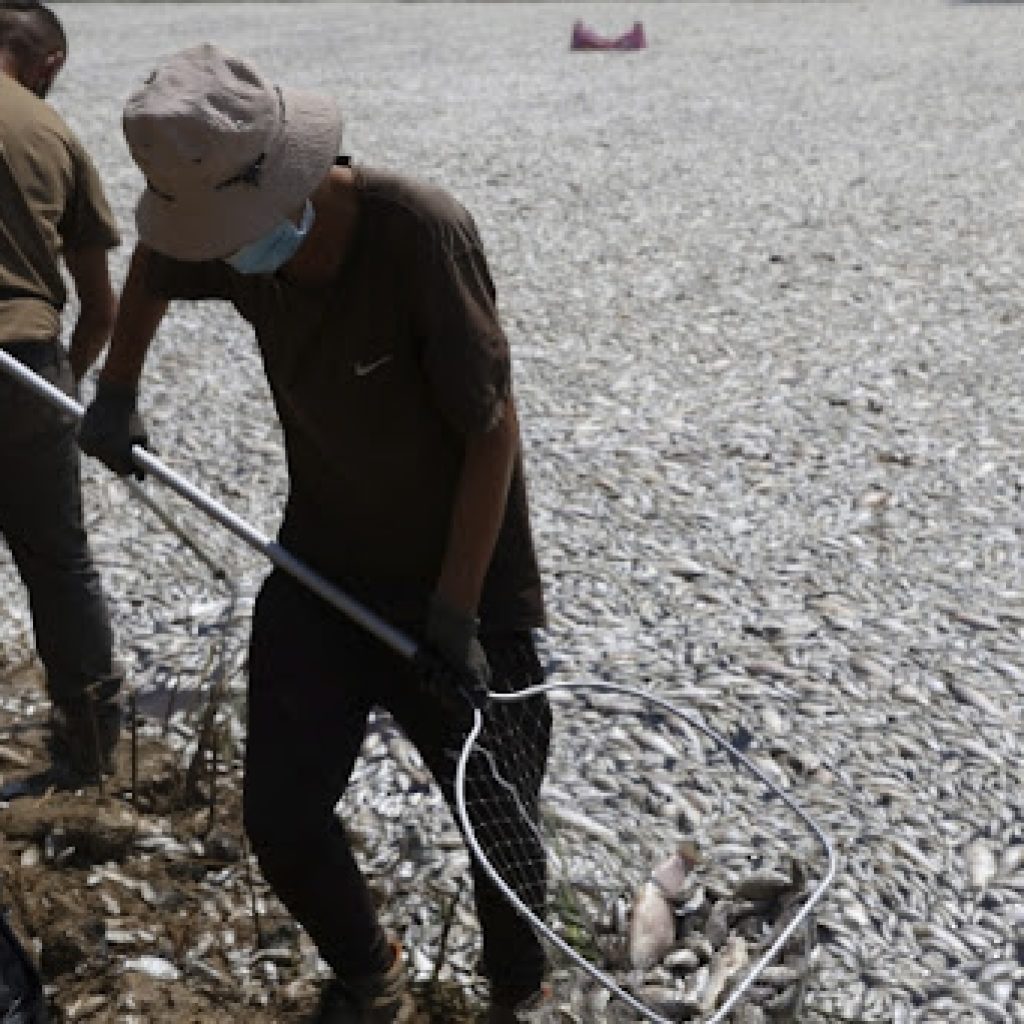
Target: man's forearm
138	318
478	512
92	330
97	306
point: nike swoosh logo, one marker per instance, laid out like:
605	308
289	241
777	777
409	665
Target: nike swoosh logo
362	369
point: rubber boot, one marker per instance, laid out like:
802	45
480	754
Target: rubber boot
84	734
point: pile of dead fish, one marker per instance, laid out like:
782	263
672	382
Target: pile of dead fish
684	939
693	936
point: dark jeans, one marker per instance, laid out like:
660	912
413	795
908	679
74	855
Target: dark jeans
41	520
313	679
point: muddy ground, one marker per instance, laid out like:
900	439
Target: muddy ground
140	902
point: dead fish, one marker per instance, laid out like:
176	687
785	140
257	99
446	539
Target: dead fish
670	874
652	927
154	966
1011	860
15	757
729	961
764	885
85	1006
981	863
716	927
694	987
582	823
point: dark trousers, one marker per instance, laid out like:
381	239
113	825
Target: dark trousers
313	679
41	521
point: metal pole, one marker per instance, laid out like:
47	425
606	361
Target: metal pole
397	640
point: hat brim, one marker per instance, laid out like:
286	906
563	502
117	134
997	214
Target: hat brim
222	222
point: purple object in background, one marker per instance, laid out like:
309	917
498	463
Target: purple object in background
585	38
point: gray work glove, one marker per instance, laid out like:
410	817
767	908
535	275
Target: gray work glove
452	660
111	425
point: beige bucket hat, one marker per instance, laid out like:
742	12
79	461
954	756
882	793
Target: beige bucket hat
227	155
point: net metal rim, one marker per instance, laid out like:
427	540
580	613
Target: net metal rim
738	757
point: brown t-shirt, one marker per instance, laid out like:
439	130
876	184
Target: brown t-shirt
51	201
378	379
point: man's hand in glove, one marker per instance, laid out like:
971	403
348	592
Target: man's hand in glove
111	425
453	660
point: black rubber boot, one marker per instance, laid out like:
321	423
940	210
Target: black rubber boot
84	734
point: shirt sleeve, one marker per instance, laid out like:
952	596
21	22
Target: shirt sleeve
87	221
465	352
169	278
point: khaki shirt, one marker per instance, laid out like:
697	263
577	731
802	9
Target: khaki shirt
378	379
51	201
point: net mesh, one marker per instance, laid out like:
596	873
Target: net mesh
627	785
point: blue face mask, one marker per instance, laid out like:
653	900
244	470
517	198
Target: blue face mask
274	249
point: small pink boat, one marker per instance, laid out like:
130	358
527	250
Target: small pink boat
585	38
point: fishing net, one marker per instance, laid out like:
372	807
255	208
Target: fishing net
670	874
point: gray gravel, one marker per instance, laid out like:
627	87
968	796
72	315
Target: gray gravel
762	283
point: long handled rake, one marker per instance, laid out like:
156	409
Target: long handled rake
481	763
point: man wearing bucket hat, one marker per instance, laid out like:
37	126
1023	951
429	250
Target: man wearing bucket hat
376	319
52	208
